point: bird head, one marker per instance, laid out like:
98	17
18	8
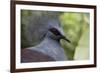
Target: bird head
57	34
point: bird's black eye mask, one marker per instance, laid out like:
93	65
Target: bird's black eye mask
57	33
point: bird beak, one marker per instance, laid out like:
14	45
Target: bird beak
63	37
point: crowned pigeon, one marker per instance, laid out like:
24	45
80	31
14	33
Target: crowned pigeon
48	30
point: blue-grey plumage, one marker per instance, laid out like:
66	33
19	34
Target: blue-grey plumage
37	27
52	48
48	32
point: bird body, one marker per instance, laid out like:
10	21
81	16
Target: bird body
48	47
28	55
48	32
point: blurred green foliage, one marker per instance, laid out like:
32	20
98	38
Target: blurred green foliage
74	25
